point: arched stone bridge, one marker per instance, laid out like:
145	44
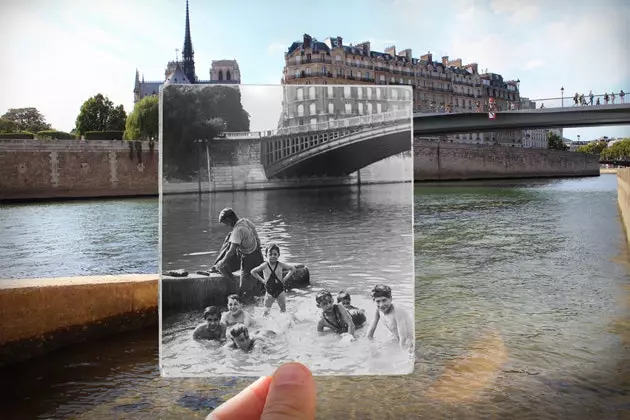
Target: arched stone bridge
332	148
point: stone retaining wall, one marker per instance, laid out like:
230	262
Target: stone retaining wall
623	198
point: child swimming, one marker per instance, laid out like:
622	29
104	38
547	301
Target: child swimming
272	278
235	313
396	320
213	328
358	315
240	338
334	316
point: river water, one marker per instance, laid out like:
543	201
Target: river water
522	299
350	239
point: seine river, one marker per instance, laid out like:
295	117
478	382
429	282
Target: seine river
522	298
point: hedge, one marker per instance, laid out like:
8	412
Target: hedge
24	135
54	134
104	135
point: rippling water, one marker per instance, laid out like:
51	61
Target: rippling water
78	238
350	238
522	312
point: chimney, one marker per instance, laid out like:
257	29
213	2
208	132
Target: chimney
339	41
474	67
391	50
458	62
427	57
307	41
445	61
406	53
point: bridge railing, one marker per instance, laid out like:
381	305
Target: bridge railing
478	104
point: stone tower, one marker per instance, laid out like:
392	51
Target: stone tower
188	54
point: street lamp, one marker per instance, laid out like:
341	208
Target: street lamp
578	137
562	92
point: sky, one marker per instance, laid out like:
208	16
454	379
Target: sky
61	52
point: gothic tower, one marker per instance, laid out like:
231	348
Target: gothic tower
188	54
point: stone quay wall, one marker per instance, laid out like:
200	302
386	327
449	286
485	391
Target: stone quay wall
41	169
442	161
623	199
41	315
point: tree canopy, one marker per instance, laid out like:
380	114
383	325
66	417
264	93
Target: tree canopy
143	122
194	112
619	150
23	119
99	114
593	148
555	142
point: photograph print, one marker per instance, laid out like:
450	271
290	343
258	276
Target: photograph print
286	229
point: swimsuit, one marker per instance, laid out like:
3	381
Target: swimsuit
339	326
274	286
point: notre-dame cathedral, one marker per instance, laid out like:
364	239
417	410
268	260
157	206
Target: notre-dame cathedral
183	71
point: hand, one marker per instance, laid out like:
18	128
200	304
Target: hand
288	395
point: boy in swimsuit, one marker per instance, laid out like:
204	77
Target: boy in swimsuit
358	315
235	313
272	278
334	316
213	328
396	320
240	339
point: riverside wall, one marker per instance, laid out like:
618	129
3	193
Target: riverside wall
41	315
443	161
623	199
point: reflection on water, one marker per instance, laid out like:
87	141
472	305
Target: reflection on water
350	238
78	238
528	322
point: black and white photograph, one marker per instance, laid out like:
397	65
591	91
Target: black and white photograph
286	229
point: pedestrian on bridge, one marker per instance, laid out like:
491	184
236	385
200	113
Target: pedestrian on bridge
612	97
590	97
622	95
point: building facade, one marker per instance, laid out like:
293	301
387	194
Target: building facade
437	86
183	71
310	104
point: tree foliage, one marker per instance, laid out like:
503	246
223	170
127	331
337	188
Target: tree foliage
619	150
99	114
54	135
23	119
555	142
143	122
191	113
593	148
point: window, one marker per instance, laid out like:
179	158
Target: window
311	92
337	58
300	94
331	91
346	91
300	110
360	93
360	105
379	108
331	108
382	77
228	76
369	93
313	121
394	93
401	80
378	94
308	71
297	74
298	59
312	109
348	108
359	75
369	108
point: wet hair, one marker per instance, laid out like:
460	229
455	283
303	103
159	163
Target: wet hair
381	290
343	295
238	329
211	310
227	214
235	297
271	247
321	295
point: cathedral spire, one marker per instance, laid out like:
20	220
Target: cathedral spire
188	53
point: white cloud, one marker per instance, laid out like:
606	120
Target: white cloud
276	48
518	11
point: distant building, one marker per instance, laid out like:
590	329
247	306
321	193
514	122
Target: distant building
183	71
438	86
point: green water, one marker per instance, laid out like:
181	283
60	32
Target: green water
522	311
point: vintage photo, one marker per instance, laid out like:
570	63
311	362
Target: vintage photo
286	229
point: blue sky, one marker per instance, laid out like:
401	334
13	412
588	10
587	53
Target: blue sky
61	52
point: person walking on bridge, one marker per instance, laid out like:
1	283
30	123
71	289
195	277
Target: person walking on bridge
245	243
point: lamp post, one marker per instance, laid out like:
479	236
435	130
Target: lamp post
562	93
578	138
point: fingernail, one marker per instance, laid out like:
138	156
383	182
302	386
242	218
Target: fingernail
290	374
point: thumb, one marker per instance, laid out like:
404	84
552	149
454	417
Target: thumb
291	394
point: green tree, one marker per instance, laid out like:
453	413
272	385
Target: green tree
99	114
7	126
620	150
192	113
594	148
555	142
143	122
26	119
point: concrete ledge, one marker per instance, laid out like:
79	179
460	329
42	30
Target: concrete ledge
41	315
623	199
